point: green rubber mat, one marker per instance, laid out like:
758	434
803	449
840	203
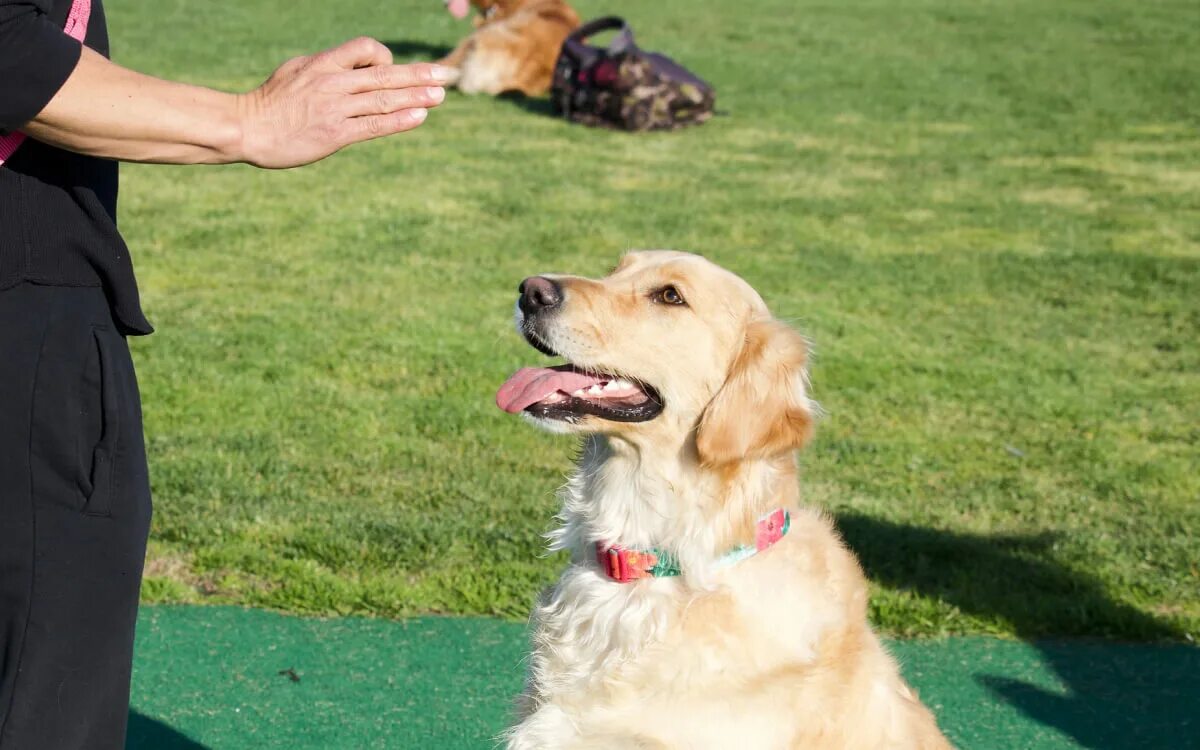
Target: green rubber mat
219	677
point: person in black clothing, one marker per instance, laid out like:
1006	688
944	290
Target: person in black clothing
74	488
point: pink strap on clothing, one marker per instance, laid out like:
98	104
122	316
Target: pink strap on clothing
76	28
77	19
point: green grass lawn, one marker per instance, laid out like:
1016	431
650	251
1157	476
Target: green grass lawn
986	215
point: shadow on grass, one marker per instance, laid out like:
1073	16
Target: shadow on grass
1118	697
537	105
150	734
410	48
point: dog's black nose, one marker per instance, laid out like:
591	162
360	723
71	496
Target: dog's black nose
538	294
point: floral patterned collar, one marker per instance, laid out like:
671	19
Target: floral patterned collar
625	565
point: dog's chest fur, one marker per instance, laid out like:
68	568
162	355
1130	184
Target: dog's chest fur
702	637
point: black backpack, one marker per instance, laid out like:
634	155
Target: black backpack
623	87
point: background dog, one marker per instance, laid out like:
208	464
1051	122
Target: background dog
692	400
514	46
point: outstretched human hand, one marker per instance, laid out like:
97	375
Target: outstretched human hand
314	105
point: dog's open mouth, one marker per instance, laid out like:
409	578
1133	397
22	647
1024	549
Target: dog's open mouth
568	393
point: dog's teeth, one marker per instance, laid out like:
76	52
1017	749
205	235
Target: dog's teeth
622	384
579	393
595	390
610	385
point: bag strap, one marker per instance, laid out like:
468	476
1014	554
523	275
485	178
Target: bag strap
76	28
585	53
77	20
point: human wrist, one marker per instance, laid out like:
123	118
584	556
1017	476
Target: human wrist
212	126
216	122
230	136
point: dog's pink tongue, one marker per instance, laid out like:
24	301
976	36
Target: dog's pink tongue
532	384
458	8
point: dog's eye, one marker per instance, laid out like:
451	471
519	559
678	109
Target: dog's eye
669	295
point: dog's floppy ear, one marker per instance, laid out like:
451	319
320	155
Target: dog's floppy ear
763	408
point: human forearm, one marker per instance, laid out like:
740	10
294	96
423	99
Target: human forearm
106	110
310	107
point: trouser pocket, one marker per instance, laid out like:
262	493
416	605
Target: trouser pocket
99	489
78	416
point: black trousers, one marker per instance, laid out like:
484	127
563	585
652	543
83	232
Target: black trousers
74	517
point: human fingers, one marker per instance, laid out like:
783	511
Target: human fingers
358	129
363	52
393	77
385	101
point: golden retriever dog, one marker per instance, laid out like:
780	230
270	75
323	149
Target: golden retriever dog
704	606
514	46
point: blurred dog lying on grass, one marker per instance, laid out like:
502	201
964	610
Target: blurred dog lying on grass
514	46
704	607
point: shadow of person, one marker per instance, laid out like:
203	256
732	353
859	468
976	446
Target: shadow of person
538	105
150	734
1118	696
408	49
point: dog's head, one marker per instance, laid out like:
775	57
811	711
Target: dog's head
667	349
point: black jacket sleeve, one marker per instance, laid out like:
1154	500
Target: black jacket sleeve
36	58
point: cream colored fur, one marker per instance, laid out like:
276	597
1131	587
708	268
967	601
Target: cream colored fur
514	46
774	652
